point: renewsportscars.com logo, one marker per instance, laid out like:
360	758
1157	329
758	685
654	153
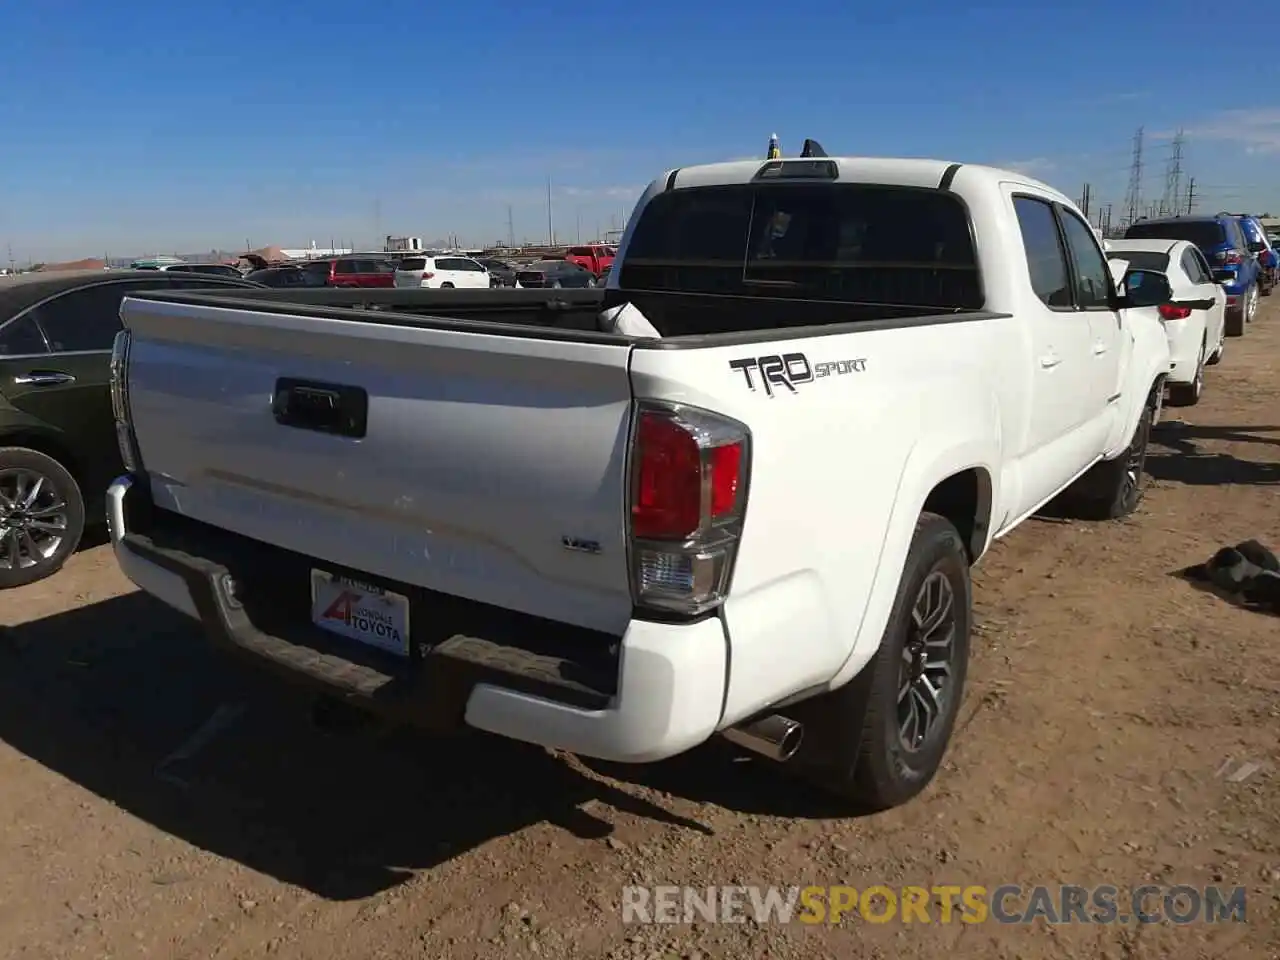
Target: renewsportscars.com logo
944	904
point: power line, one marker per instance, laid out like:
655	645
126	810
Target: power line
1133	196
1170	199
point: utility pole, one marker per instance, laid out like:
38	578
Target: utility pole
1191	195
1171	199
1084	201
377	222
511	229
551	233
1133	196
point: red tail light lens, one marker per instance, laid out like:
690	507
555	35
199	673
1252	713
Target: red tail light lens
1170	312
1230	258
668	497
688	495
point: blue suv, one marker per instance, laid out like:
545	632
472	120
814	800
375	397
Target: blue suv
1264	250
1222	240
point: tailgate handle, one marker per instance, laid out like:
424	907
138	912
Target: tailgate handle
322	407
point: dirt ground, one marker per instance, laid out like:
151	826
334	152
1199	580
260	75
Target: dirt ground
1109	706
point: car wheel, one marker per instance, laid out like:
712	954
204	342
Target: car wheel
446	286
1119	482
879	740
1251	304
1188	394
41	516
1234	322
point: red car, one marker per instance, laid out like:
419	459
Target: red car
597	257
360	271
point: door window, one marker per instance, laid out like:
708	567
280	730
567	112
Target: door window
88	318
1092	275
1046	259
21	338
345	267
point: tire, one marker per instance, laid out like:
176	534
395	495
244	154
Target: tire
1234	322
1251	304
854	743
556	285
21	513
1189	394
1119	481
446	286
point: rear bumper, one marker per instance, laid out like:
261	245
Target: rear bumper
657	694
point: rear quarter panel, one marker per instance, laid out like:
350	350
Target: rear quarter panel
841	466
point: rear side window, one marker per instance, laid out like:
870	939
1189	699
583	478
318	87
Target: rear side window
836	243
21	338
1205	234
1046	258
579	251
345	267
1092	274
413	263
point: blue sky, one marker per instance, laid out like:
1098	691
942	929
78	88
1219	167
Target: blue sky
153	126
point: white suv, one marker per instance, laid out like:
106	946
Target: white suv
441	273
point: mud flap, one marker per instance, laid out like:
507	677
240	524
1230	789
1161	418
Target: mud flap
833	725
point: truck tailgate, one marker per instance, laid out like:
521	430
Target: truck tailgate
490	467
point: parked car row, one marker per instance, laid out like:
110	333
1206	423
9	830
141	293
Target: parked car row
1208	273
583	266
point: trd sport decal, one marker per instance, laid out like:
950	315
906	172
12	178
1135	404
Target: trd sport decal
789	370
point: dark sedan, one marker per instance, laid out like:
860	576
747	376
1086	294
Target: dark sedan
58	449
313	274
501	273
554	273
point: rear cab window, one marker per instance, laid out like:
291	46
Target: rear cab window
815	250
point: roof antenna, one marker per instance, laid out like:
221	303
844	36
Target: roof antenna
812	148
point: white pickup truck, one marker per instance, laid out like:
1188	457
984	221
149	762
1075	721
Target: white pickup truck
755	519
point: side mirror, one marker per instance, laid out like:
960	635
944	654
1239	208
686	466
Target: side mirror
1146	288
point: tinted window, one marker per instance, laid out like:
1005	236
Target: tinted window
1046	259
1143	259
88	318
20	338
1206	271
366	266
1253	236
179	268
473	265
216	270
1191	267
1205	234
320	269
413	263
345	267
580	251
1092	275
1236	236
849	243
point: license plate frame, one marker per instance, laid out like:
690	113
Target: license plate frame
365	613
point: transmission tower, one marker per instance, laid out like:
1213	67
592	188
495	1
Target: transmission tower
1171	199
1133	197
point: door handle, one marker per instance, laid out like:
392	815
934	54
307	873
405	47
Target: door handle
43	378
1099	348
1050	361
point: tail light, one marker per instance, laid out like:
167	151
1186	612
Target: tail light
688	496
1230	258
427	274
1169	311
120	411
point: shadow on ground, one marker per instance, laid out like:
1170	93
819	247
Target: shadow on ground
1187	463
102	694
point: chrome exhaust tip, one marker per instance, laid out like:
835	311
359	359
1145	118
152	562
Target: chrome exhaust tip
775	737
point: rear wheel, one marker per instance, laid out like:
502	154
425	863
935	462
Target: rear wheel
1234	323
446	286
41	516
879	740
1188	394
